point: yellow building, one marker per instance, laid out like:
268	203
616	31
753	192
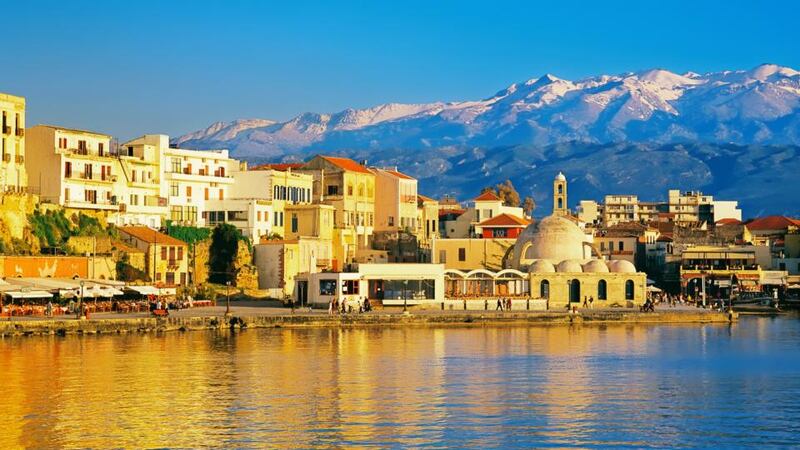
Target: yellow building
73	168
397	208
13	176
468	254
139	188
166	257
350	188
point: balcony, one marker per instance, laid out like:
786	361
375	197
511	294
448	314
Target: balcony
6	129
104	205
20	159
6	157
20	132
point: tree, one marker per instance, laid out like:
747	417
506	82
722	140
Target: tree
222	253
505	191
529	205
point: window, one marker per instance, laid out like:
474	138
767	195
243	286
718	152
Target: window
206	194
350	287
499	232
602	290
191	214
391	221
176	213
62	142
170	278
275	221
280	215
442	256
621	245
294	223
462	254
333	190
544	289
629	290
100	149
560	203
173	190
67	169
327	287
176	165
349	189
90	196
560	189
163	253
221	194
189	192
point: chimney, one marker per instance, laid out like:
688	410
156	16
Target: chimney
364	162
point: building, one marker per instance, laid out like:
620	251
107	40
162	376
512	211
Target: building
690	206
138	182
166	257
560	205
590	212
427	220
467	224
503	226
75	169
397	208
350	188
727	209
620	208
13	173
471	253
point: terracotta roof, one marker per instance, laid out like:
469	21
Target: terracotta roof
664	238
125	248
150	236
728	221
772	223
283	167
487	196
454	212
423	198
346	164
505	220
400	175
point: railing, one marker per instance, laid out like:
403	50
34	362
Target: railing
20	132
6	129
19	159
7	157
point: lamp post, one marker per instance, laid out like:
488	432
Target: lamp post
405	297
227	298
79	314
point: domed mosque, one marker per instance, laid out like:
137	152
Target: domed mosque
564	266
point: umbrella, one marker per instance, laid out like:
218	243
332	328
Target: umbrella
653	289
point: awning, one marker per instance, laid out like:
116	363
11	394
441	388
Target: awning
653	289
144	290
773	279
793	286
28	294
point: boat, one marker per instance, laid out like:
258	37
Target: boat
758	303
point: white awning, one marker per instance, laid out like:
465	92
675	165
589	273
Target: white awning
144	290
28	294
653	289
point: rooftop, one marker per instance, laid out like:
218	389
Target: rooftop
74	130
505	220
487	196
346	164
150	236
772	223
281	167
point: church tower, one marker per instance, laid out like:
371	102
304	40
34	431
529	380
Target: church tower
560	195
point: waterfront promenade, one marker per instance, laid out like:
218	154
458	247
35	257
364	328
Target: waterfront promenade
270	315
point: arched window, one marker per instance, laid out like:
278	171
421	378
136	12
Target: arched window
544	289
602	290
560	203
629	290
560	189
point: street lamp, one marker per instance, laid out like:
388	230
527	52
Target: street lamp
79	313
227	298
405	297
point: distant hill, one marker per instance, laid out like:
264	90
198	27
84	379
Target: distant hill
734	134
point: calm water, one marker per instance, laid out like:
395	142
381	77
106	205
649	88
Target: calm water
635	386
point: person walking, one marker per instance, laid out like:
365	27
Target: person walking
585	302
499	305
330	307
591	300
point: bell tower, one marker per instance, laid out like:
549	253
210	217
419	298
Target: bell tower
560	195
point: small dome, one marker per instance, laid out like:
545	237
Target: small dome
541	266
561	177
622	266
596	266
570	266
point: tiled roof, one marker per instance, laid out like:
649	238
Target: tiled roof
505	220
346	164
150	236
487	196
729	221
399	174
282	167
772	223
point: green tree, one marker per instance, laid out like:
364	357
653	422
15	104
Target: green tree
222	253
190	235
505	191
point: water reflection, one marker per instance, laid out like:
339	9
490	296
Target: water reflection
596	385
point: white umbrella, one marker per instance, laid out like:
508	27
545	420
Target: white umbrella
653	289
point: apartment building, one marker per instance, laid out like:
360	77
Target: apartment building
427	220
73	168
397	208
13	173
138	182
485	206
350	188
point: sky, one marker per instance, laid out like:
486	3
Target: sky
129	68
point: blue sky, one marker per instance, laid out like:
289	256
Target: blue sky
129	68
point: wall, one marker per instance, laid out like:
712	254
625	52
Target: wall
615	288
58	267
479	253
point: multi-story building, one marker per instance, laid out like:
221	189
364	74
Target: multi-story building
690	206
138	177
590	212
166	258
13	175
350	188
73	168
620	208
397	208
192	178
427	220
484	206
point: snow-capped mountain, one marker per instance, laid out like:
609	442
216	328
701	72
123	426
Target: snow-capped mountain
743	107
654	129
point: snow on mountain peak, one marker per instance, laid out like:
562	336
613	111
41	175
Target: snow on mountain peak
765	71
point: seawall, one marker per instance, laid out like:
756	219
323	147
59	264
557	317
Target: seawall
145	325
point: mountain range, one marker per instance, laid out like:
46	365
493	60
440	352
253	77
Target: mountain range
733	134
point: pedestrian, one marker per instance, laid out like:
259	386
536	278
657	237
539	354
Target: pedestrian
585	302
330	307
591	300
499	305
344	306
49	311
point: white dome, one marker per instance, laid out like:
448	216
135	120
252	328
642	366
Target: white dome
541	266
553	238
595	266
561	177
570	266
622	266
